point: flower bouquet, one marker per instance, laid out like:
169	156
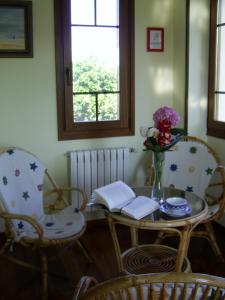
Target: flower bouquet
160	138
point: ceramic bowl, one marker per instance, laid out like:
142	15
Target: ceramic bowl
176	203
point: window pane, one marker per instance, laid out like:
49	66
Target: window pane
108	107
84	108
82	12
108	12
220	72
95	56
221	12
220	107
99	45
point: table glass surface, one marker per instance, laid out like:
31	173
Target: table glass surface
197	204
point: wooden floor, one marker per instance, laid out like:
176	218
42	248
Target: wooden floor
17	283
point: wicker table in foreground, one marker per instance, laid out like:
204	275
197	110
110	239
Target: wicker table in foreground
155	258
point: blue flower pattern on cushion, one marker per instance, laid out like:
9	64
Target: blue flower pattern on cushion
189	189
4	180
20	225
193	150
173	167
25	195
49	224
33	166
209	171
10	151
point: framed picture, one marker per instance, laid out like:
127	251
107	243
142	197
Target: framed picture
16	32
155	39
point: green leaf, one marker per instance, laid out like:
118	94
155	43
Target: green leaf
178	131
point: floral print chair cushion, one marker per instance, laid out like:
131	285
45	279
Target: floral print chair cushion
190	167
193	166
21	192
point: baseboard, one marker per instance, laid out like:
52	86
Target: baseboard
94	214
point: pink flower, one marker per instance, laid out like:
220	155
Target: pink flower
168	114
162	136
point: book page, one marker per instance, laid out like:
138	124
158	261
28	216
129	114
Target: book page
114	195
140	207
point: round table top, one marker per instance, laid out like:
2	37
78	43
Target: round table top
159	219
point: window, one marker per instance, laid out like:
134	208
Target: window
94	68
216	103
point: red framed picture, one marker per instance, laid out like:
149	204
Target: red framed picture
155	39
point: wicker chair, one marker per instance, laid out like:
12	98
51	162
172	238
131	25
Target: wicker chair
193	166
163	286
26	222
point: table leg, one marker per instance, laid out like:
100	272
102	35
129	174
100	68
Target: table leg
134	236
183	247
116	244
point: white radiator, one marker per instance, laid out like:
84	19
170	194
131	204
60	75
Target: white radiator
90	169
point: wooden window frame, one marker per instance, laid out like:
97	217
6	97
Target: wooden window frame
67	129
214	128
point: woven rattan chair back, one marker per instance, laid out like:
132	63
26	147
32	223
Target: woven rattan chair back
163	286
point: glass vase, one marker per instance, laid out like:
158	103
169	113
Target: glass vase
157	187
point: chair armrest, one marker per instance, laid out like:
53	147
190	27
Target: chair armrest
28	219
220	169
83	285
60	192
220	199
57	203
83	193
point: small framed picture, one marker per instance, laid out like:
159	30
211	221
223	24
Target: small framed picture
16	33
155	39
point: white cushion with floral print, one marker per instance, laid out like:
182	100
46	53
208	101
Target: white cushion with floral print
21	182
189	167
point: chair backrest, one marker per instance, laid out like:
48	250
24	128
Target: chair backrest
159	287
190	166
21	182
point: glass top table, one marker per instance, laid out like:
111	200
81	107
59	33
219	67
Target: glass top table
182	226
198	205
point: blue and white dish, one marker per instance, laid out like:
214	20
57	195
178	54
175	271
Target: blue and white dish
176	203
175	213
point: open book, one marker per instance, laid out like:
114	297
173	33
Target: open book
119	197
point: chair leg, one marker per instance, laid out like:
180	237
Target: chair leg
44	276
84	250
213	242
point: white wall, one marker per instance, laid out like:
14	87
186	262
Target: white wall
179	56
28	116
198	67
